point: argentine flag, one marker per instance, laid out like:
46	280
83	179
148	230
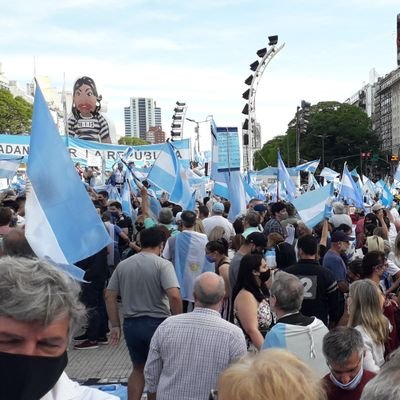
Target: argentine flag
311	205
349	190
61	222
310	166
9	167
190	260
285	179
386	197
329	174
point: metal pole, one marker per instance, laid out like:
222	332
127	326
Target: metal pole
197	130
323	151
297	136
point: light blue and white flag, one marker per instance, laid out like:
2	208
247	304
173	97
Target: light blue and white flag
126	199
349	190
182	194
9	167
61	222
237	195
190	260
312	182
221	189
329	174
386	196
311	205
165	170
285	180
309	166
113	194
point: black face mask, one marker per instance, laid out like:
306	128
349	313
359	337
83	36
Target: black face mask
264	276
29	377
139	227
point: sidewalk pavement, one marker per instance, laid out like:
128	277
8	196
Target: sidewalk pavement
106	364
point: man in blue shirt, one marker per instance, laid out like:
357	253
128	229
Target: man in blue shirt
334	261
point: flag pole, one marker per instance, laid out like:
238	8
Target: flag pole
277	181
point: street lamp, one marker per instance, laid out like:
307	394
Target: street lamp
323	137
177	120
197	129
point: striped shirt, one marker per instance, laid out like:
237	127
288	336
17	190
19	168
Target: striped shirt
188	352
93	128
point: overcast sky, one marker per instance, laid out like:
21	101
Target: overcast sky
199	51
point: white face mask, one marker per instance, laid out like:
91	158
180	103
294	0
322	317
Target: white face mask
353	383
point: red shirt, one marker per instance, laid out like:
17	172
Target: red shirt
336	393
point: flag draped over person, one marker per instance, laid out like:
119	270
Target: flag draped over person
61	221
311	205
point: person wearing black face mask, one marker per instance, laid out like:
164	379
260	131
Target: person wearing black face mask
251	308
39	310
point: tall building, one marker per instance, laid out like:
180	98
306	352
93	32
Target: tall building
386	117
140	116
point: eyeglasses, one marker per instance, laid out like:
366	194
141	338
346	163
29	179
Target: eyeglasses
213	394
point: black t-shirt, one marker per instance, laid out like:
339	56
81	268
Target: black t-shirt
124	222
320	291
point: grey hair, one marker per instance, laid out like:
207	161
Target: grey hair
165	215
206	297
340	343
385	386
35	290
288	291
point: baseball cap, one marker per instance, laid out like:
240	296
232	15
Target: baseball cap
260	207
340	236
218	208
257	238
377	207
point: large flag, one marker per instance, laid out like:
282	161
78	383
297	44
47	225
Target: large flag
311	205
9	167
349	190
61	221
309	166
285	179
126	199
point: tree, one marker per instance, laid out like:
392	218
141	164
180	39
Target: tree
15	114
132	141
345	129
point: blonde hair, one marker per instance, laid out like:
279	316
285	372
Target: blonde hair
271	374
365	310
199	226
216	233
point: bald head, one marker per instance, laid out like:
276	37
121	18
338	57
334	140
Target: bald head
209	290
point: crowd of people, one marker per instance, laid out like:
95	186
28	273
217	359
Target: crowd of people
263	307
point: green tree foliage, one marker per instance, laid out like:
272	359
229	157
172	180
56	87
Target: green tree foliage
15	114
132	141
347	130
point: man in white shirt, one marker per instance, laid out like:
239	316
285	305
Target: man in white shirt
217	219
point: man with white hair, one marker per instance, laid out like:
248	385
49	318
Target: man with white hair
295	332
39	312
189	351
339	215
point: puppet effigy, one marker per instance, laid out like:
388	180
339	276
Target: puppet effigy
86	122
